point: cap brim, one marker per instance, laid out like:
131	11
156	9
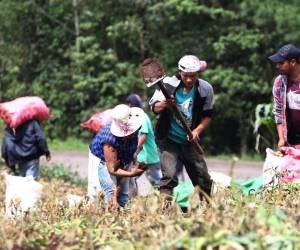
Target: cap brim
276	58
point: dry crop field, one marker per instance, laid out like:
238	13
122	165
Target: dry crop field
269	220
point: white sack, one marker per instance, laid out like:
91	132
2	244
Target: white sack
22	194
272	168
93	179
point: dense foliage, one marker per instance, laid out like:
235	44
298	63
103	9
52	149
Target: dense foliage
82	56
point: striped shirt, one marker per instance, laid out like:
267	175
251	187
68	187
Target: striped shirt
125	147
279	109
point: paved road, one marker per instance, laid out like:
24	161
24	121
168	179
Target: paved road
78	161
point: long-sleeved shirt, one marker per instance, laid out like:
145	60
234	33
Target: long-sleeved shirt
25	143
279	108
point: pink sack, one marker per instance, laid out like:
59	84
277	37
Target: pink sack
23	109
290	167
97	121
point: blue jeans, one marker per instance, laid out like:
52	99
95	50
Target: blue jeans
30	168
109	182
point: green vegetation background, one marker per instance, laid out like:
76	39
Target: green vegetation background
83	56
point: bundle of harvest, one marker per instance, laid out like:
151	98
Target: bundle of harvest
23	109
97	121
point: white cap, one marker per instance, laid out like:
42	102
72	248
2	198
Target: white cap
191	64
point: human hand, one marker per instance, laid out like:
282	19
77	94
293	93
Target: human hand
160	106
169	102
48	157
137	171
142	166
113	204
194	137
281	143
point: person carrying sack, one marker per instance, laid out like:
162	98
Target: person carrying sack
23	147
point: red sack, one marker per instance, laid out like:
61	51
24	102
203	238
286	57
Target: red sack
291	164
23	109
97	121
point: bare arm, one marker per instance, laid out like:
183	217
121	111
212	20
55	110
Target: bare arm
160	106
200	128
281	141
112	163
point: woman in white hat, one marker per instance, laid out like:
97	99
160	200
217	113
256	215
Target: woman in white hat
115	146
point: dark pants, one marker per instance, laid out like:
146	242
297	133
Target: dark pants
293	139
191	159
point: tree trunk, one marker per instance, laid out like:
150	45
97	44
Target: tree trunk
243	138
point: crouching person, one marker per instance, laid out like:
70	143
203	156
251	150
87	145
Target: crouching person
115	146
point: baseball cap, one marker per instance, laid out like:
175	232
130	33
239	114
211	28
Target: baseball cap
191	64
135	100
286	52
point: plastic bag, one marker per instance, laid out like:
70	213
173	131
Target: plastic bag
182	192
290	167
22	194
272	168
23	109
220	181
97	121
93	179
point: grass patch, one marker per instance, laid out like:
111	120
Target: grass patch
60	172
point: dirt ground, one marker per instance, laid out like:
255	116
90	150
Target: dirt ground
77	161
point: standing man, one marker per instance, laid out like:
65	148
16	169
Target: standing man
286	93
194	97
23	147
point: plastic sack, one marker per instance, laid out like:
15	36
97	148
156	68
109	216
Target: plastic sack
97	121
184	189
220	181
22	194
23	109
252	186
93	179
290	167
272	168
182	192
74	200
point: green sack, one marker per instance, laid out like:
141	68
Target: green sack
252	186
182	192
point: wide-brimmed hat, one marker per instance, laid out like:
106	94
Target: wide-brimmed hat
126	120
